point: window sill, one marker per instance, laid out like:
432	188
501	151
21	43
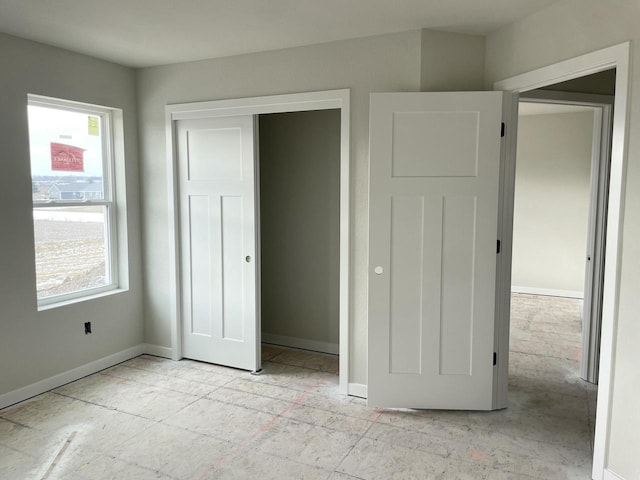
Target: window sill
84	298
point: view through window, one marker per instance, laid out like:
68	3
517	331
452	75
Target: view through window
71	166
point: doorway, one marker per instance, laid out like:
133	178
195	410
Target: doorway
560	208
300	229
606	59
557	169
561	192
250	109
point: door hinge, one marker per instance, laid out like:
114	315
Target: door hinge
503	129
498	247
495	358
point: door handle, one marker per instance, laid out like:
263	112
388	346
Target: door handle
378	270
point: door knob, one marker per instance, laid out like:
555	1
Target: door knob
247	259
378	270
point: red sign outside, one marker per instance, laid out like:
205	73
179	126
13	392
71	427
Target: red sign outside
66	158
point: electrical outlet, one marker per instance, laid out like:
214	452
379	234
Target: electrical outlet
87	328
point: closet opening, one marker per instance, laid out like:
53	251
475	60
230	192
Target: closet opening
299	233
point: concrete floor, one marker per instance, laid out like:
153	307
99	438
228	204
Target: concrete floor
151	418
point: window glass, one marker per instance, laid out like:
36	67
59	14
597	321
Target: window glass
73	214
66	154
70	249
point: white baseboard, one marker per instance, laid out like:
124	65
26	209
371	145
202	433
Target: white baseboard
63	378
550	292
294	342
358	390
158	350
609	475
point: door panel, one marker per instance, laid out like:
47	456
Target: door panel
405	305
216	182
232	268
200	263
417	132
434	184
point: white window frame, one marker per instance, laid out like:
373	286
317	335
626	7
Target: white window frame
109	193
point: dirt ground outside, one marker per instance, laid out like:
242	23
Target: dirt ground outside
70	255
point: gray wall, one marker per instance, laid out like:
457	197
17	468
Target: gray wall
564	30
300	224
551	210
385	63
382	63
38	345
451	62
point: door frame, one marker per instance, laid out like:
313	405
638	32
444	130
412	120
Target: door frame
296	102
598	201
618	57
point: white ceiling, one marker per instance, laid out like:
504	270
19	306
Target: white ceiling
141	33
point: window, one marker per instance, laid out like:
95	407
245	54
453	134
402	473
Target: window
72	164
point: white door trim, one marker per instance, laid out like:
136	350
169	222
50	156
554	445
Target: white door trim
617	57
567	98
330	99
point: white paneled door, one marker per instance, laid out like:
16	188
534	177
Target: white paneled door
434	193
219	268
